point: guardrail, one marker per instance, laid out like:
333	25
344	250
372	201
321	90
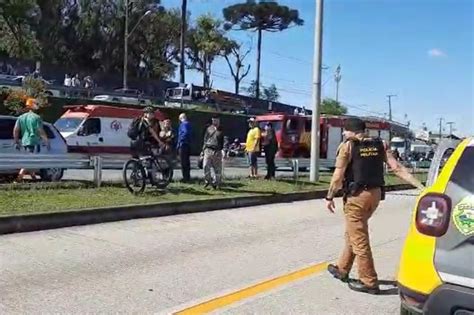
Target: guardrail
15	162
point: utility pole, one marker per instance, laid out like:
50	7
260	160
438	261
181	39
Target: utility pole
182	43
450	123
317	62
440	128
337	78
389	97
125	48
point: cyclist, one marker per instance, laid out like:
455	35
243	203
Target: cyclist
144	133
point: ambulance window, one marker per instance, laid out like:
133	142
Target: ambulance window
463	174
90	127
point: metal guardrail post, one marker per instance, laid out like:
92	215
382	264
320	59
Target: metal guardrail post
223	166
296	169
97	163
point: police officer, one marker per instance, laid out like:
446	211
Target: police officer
360	173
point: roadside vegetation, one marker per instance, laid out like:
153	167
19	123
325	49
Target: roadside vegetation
66	196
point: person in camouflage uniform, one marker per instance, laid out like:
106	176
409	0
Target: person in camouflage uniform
212	149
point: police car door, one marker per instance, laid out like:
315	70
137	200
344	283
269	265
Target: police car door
454	256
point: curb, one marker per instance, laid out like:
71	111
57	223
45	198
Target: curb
45	221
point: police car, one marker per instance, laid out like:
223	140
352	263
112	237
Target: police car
436	272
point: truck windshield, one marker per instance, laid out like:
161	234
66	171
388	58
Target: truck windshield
276	125
69	124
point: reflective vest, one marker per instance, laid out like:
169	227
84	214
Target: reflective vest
365	169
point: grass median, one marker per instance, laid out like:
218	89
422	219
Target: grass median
60	197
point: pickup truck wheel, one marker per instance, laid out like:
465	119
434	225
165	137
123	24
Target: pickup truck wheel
51	174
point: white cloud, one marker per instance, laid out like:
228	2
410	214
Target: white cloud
436	53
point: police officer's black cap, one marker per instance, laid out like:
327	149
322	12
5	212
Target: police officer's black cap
216	117
354	124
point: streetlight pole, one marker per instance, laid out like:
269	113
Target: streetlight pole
317	62
182	41
126	35
125	48
337	78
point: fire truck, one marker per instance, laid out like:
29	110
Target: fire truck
293	133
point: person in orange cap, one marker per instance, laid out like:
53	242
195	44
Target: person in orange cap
28	133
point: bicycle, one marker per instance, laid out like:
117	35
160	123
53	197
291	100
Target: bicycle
156	169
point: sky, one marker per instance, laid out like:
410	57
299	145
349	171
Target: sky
420	50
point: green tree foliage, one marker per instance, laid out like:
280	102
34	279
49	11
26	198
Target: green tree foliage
269	93
206	41
90	34
260	16
332	107
18	19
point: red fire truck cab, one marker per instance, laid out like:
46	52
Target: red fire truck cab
293	133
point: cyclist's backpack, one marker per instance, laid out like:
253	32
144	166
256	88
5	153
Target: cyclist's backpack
134	129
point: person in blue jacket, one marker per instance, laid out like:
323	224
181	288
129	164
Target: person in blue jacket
184	146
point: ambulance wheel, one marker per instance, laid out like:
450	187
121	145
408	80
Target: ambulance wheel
134	176
51	174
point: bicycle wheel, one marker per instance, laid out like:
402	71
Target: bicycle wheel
161	171
134	176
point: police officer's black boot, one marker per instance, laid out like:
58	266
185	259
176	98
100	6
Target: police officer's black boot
358	286
334	271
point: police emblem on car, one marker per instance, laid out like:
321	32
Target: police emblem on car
463	216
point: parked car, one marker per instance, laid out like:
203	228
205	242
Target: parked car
436	273
7	145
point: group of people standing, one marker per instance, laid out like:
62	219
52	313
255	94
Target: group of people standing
258	141
152	133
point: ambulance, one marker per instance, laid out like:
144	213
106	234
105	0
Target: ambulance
98	129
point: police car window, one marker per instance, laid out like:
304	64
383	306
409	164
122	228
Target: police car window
6	129
463	174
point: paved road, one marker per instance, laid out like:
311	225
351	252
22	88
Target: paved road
168	264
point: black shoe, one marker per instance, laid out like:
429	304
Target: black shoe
334	271
358	286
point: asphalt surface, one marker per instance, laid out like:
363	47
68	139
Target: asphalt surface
168	264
